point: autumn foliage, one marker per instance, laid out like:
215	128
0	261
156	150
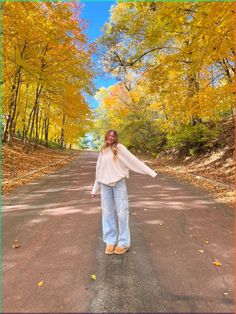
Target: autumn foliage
46	69
175	65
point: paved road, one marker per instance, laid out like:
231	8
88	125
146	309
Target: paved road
59	227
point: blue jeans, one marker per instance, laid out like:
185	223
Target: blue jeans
115	197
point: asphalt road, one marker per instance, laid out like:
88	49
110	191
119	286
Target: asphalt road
58	225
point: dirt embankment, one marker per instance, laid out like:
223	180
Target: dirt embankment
213	170
19	168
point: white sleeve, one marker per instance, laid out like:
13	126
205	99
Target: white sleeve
133	163
96	185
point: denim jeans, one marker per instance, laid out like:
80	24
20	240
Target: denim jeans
115	197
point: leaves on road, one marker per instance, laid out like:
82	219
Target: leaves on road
217	263
40	283
16	244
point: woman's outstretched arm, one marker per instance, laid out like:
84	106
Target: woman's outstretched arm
132	162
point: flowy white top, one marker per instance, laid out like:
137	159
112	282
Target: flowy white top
109	171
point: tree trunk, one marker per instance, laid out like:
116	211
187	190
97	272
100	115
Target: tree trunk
27	144
36	126
46	131
24	115
27	128
13	103
15	123
47	127
62	137
12	112
42	127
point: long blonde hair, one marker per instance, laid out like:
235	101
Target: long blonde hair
113	146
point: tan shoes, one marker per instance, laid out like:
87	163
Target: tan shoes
120	249
109	248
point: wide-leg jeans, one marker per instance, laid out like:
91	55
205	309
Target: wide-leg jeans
115	223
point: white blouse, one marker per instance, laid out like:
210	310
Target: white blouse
109	171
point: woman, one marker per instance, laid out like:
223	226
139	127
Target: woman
113	165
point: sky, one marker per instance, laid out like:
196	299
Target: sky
96	13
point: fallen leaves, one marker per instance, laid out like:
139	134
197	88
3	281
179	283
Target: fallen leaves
189	171
16	244
40	283
217	263
17	166
93	276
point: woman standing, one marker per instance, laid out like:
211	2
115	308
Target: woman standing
113	165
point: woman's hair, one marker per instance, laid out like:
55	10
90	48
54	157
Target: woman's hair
114	145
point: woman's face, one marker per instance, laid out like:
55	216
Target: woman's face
110	138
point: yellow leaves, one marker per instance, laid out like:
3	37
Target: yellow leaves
155	106
47	50
172	75
165	75
40	283
114	106
108	29
217	263
93	276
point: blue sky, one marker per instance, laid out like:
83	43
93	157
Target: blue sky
96	13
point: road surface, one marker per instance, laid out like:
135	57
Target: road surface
58	225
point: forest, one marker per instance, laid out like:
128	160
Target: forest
175	65
173	100
46	69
